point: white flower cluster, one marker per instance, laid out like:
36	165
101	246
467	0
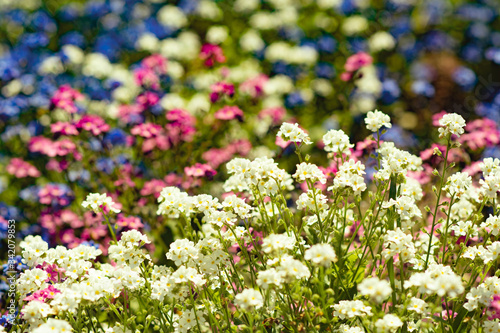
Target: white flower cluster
378	290
396	162
437	279
350	175
262	173
490	185
308	171
406	208
97	201
336	141
321	254
351	309
451	124
458	184
375	120
292	132
396	242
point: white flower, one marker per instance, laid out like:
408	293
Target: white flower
418	305
390	323
249	299
277	243
492	223
95	201
321	254
381	40
54	326
337	141
458	184
378	290
451	123
375	120
309	171
351	309
292	132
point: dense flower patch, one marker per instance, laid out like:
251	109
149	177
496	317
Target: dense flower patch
222	165
349	254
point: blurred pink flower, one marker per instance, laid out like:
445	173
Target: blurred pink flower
212	54
229	112
21	169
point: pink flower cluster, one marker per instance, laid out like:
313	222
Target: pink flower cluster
200	170
217	156
92	123
21	169
277	114
212	54
181	126
53	194
65	97
220	89
45	146
480	133
148	73
354	63
229	112
254	86
42	295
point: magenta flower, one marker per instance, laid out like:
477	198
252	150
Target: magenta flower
254	86
180	127
229	112
155	62
154	187
354	63
92	123
146	77
277	114
131	222
220	89
65	97
21	169
147	100
63	128
147	130
212	54
200	170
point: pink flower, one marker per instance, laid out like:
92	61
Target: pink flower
437	117
481	133
200	170
354	63
130	113
51	148
494	308
147	99
153	187
147	130
180	127
42	295
217	156
55	165
212	54
21	169
65	97
146	77
220	89
282	143
228	113
63	128
277	114
358	60
254	86
155	62
131	222
53	194
93	123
